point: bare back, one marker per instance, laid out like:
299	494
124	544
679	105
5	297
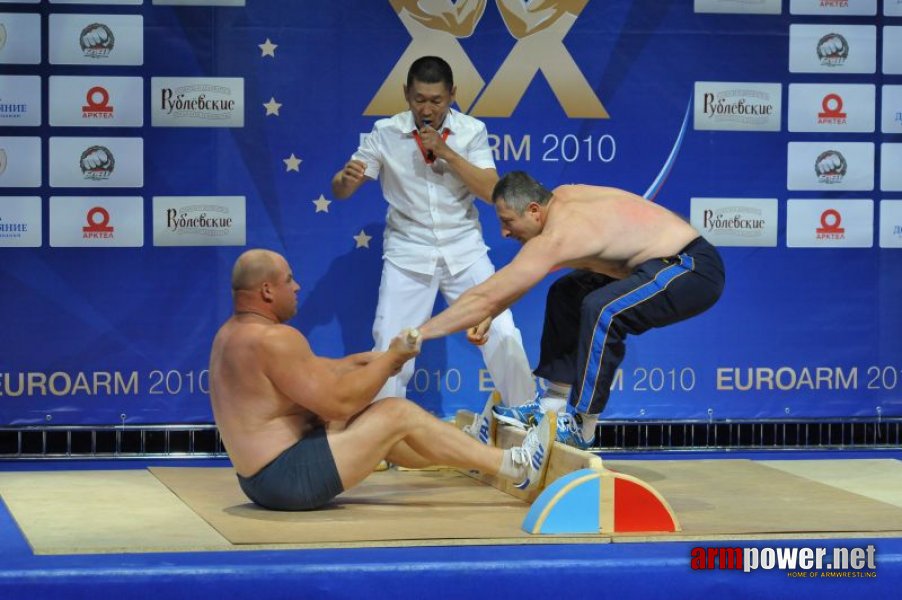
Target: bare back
611	231
257	422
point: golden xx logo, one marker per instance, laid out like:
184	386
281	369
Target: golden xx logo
539	26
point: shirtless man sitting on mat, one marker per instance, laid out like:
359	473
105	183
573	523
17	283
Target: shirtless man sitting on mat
300	428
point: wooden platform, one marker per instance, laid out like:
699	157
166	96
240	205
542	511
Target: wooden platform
390	506
196	508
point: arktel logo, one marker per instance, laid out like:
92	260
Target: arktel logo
831	111
98	226
98	104
830	226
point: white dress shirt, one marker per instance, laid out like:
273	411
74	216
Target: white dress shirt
431	215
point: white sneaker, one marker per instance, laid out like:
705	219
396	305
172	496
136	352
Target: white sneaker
484	426
535	451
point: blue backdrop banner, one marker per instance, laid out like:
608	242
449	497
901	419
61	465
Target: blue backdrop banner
145	144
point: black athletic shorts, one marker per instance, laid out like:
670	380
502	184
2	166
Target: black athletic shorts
303	477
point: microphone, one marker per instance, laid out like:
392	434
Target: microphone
429	155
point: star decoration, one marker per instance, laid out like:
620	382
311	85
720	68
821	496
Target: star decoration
292	163
272	107
322	205
267	48
362	239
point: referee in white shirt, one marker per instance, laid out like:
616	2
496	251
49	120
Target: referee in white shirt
432	163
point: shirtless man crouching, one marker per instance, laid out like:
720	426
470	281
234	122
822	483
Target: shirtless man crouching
273	398
636	265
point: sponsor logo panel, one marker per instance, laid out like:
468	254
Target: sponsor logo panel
20	222
830	223
197	102
20	39
892	50
199	221
736	221
737	106
96	222
98	40
96	101
832	107
891	167
891	224
891	121
20	162
96	162
20	100
830	166
760	7
832	48
833	7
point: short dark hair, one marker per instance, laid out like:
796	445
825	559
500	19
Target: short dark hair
518	189
430	69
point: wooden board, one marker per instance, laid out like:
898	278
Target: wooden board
390	505
87	512
563	459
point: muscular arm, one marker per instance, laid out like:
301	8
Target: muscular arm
524	19
314	383
496	293
458	19
353	361
480	182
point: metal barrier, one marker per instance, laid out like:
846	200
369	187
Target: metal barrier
750	435
203	440
114	441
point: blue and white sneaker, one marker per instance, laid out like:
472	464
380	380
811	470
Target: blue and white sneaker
484	426
535	452
523	416
570	431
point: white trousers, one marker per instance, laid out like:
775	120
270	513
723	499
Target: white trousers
406	299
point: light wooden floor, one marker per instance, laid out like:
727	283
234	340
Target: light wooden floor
190	509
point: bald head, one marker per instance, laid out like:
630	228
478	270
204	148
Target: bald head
263	284
255	267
